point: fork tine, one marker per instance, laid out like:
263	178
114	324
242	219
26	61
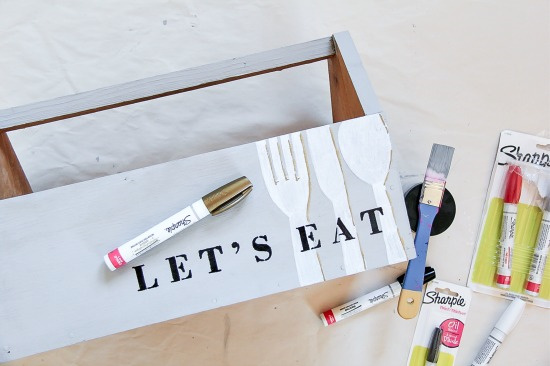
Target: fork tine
275	160
299	159
287	157
265	161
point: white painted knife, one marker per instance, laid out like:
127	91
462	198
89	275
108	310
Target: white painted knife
322	154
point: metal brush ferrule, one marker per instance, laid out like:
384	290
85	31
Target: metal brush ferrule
432	193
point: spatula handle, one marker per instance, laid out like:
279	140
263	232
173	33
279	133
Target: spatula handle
411	295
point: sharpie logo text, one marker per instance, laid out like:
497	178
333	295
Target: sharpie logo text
542	159
437	298
379	297
185	221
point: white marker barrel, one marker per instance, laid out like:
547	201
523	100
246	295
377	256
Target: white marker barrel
504	270
156	235
540	255
362	303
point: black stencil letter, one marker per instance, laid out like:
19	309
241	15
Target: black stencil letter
304	236
141	279
261	248
344	231
175	268
212	258
372	219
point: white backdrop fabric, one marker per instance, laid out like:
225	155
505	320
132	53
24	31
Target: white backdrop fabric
455	73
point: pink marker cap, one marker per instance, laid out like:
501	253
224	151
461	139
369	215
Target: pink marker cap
114	260
532	288
328	318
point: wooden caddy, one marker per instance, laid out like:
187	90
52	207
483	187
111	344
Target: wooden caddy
351	93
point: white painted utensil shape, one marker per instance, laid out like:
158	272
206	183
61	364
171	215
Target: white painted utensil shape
322	154
366	148
286	176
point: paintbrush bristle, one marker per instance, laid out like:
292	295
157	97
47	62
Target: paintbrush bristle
440	159
436	175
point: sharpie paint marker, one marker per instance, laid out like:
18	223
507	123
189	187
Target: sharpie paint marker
511	198
369	300
532	286
504	326
213	203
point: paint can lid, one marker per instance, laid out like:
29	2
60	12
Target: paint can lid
444	217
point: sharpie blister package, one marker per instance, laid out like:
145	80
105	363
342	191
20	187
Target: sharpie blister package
514	238
444	311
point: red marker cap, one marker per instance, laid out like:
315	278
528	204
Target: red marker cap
513	184
532	288
504	281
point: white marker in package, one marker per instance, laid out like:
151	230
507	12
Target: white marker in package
512	243
213	203
540	255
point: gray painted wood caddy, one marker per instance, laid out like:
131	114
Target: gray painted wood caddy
62	234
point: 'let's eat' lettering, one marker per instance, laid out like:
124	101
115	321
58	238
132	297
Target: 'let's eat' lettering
180	270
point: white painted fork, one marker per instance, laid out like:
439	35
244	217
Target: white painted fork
286	176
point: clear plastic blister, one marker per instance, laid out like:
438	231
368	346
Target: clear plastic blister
510	256
444	306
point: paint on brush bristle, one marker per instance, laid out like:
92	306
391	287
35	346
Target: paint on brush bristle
436	175
440	161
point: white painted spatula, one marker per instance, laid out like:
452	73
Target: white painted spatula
366	148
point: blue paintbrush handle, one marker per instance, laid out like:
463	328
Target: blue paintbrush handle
414	277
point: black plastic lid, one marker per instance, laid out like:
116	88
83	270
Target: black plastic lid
444	217
429	274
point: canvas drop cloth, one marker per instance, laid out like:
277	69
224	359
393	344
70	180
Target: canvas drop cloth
455	73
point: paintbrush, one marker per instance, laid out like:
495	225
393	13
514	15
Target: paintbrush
428	207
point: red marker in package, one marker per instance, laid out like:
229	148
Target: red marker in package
509	214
